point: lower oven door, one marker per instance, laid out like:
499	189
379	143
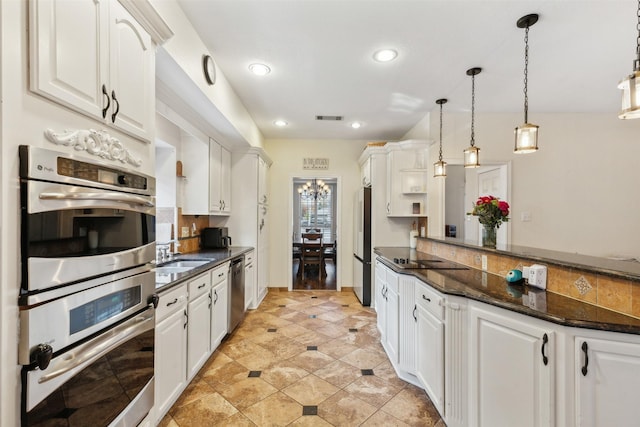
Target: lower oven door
106	381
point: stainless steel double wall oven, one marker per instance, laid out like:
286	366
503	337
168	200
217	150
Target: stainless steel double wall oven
87	300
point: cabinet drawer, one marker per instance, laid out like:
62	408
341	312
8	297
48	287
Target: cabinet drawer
381	271
199	285
430	300
171	301
248	257
219	274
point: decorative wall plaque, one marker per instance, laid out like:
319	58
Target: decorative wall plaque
96	142
309	163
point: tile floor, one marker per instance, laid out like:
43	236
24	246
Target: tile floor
304	358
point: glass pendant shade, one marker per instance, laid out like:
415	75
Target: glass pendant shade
440	168
630	96
526	139
472	157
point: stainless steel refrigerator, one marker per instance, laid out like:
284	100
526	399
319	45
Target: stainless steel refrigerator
362	245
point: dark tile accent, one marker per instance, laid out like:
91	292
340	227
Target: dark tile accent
254	374
312	347
271	330
312	316
282	305
353	329
345	305
310	410
313	297
367	371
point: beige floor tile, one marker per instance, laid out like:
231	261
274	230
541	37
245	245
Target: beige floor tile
236	420
386	372
310	421
292	330
210	410
373	390
311	390
283	374
338	373
245	393
168	421
226	374
236	350
363	359
195	390
314	324
343	409
312	338
332	316
337	348
276	410
412	408
312	360
382	419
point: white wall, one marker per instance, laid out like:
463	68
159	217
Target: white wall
287	158
581	187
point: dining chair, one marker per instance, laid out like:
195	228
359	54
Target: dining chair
312	252
329	251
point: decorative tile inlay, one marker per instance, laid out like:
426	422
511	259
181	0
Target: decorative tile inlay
271	330
310	410
312	347
366	371
353	329
254	374
583	285
345	305
282	305
312	316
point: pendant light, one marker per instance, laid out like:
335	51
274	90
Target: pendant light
472	153
526	134
440	167
631	85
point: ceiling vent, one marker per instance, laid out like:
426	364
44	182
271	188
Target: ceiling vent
330	118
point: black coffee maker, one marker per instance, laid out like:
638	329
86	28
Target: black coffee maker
215	238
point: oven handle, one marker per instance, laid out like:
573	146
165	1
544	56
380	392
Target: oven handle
98	347
112	197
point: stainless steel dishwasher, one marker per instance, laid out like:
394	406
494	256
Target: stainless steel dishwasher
236	300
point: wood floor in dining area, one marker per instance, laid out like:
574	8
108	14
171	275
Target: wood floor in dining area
306	358
312	280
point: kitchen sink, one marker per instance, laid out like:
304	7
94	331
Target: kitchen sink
181	265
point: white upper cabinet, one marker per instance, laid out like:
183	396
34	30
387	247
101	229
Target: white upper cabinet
406	178
220	179
263	182
93	57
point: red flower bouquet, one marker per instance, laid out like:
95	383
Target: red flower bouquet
491	211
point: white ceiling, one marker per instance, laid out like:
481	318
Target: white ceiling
320	53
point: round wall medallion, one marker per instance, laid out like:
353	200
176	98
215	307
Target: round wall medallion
209	69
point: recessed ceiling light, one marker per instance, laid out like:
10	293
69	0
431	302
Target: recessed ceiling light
280	123
385	55
356	125
259	69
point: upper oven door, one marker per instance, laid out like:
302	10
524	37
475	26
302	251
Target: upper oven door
72	233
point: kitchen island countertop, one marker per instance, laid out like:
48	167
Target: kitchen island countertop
495	290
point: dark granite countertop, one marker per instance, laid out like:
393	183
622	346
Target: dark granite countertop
215	257
626	269
495	290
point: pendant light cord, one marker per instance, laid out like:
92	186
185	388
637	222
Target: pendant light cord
440	155
526	72
473	108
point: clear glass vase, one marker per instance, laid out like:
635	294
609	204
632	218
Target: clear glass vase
489	236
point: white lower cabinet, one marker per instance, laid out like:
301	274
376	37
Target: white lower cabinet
380	302
199	327
219	316
430	343
607	376
391	342
249	280
170	349
511	378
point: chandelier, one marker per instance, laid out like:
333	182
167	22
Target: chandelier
314	190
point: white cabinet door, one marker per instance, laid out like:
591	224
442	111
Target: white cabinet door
263	251
381	302
132	74
408	322
170	360
392	300
607	378
65	67
406	186
511	376
263	182
249	285
430	352
195	198
198	334
219	310
219	179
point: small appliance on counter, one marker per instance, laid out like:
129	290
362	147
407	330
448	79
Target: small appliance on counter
215	238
